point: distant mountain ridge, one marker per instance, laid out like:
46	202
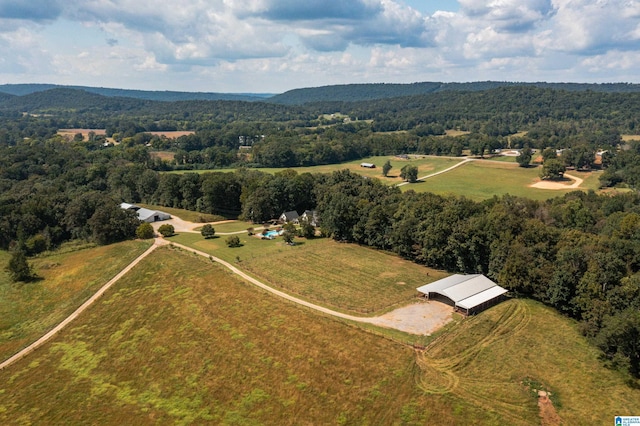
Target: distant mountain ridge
373	91
166	96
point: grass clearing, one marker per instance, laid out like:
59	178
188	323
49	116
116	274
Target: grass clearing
627	138
179	340
485	360
68	278
187	215
426	165
344	277
480	180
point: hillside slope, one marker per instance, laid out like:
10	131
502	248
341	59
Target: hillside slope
179	340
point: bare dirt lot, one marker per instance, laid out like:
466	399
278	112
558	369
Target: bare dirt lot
421	318
545	184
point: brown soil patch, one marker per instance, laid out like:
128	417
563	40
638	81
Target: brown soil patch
554	185
421	318
548	414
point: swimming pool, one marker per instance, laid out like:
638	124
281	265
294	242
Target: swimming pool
272	234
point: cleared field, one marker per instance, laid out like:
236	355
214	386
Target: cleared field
28	311
480	180
627	138
183	214
426	165
496	360
345	277
85	133
181	341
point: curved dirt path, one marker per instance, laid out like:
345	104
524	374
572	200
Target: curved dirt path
42	340
181	225
431	317
465	161
544	184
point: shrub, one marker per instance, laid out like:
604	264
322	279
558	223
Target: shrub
208	231
145	231
166	230
18	267
233	241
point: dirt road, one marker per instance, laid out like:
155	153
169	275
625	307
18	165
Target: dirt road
26	351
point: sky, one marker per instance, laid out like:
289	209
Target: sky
271	46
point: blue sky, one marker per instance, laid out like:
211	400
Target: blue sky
276	45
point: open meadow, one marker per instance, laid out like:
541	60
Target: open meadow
425	165
180	340
344	277
67	278
481	180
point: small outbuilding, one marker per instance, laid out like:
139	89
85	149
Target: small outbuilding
368	165
146	215
469	294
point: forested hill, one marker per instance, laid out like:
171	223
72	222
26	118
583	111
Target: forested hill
169	96
365	92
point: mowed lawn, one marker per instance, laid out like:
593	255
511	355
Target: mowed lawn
426	165
480	180
179	340
67	279
345	277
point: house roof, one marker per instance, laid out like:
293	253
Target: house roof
466	291
292	215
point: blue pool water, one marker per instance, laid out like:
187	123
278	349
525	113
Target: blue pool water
272	234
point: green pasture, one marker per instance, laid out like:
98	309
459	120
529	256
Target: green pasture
187	215
345	277
66	280
480	180
426	165
179	340
499	358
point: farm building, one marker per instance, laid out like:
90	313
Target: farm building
146	215
287	217
469	294
368	165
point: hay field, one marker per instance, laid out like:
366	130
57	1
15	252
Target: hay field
67	278
343	277
180	340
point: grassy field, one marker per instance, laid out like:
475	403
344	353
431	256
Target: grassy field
482	180
183	214
345	277
627	138
489	358
68	278
426	165
179	340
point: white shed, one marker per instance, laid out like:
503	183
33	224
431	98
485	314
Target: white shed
469	293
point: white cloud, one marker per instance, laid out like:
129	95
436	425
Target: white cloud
274	45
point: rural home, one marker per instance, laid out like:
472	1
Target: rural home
368	165
311	216
287	217
469	294
146	215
